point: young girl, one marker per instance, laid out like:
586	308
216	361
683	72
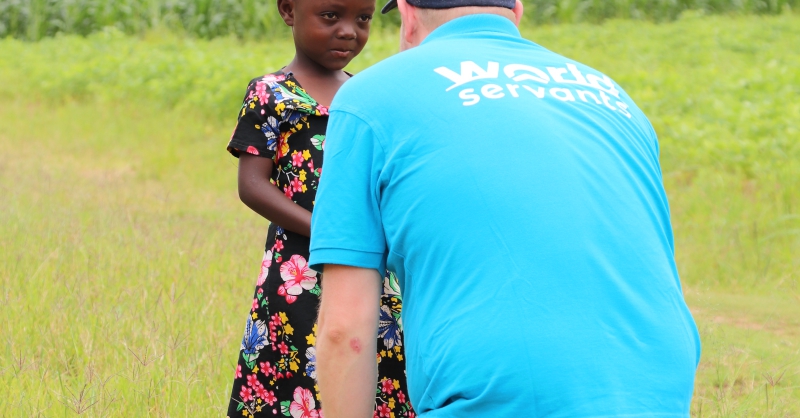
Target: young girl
280	140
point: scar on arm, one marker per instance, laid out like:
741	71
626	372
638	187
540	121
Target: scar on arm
355	344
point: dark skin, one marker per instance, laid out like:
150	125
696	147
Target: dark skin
328	34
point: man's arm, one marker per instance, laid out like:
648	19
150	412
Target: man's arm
347	341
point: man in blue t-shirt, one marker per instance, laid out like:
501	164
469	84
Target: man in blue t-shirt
518	196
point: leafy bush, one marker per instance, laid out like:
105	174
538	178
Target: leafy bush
253	19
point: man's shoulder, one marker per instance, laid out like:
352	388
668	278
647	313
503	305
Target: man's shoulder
378	83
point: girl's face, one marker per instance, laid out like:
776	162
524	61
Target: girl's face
329	32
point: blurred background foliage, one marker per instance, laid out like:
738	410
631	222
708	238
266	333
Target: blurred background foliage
252	19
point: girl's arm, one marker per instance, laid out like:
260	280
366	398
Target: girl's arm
256	191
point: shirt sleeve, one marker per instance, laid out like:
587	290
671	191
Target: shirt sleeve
257	130
346	227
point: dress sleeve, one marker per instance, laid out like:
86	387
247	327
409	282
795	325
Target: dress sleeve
257	130
346	225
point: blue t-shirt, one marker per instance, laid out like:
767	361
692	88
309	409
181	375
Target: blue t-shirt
518	196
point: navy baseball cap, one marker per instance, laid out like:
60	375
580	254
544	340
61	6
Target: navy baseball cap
449	4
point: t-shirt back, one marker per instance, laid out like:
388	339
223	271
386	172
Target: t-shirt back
518	196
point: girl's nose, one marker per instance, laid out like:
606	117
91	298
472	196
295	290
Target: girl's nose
346	31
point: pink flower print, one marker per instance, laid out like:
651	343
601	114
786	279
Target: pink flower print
246	394
266	263
262	393
252	381
252	150
261	91
266	368
323	111
387	385
297	158
288	192
269	397
255	305
303	405
383	411
401	396
284	348
272	78
238	371
278	247
297	185
297	276
311	165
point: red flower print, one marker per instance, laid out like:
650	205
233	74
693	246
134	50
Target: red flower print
269	397
284	348
252	381
246	394
239	371
297	185
266	263
266	368
261	393
297	158
303	405
255	305
387	385
261	91
252	150
297	276
288	192
311	165
383	411
278	247
401	396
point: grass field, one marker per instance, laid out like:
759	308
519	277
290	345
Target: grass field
127	262
253	19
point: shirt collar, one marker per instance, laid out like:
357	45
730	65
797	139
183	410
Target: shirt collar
471	24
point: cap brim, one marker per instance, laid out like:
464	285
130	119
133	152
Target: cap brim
389	6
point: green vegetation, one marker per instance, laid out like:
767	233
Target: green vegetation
127	262
253	19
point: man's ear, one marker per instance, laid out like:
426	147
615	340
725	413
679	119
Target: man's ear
409	20
518	10
286	9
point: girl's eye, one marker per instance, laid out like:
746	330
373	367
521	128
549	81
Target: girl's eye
365	18
329	15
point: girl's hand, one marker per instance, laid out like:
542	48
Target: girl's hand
256	191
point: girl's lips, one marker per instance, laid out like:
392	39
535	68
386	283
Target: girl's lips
339	53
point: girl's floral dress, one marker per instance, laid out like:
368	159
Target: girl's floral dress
276	371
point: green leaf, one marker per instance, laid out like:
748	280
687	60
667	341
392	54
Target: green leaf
240	406
317	141
285	408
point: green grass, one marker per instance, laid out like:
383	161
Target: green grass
127	262
254	19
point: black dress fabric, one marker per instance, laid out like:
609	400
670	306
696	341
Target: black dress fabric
276	370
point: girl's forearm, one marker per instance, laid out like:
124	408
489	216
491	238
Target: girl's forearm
256	191
273	205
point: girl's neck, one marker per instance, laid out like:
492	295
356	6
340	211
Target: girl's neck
319	82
